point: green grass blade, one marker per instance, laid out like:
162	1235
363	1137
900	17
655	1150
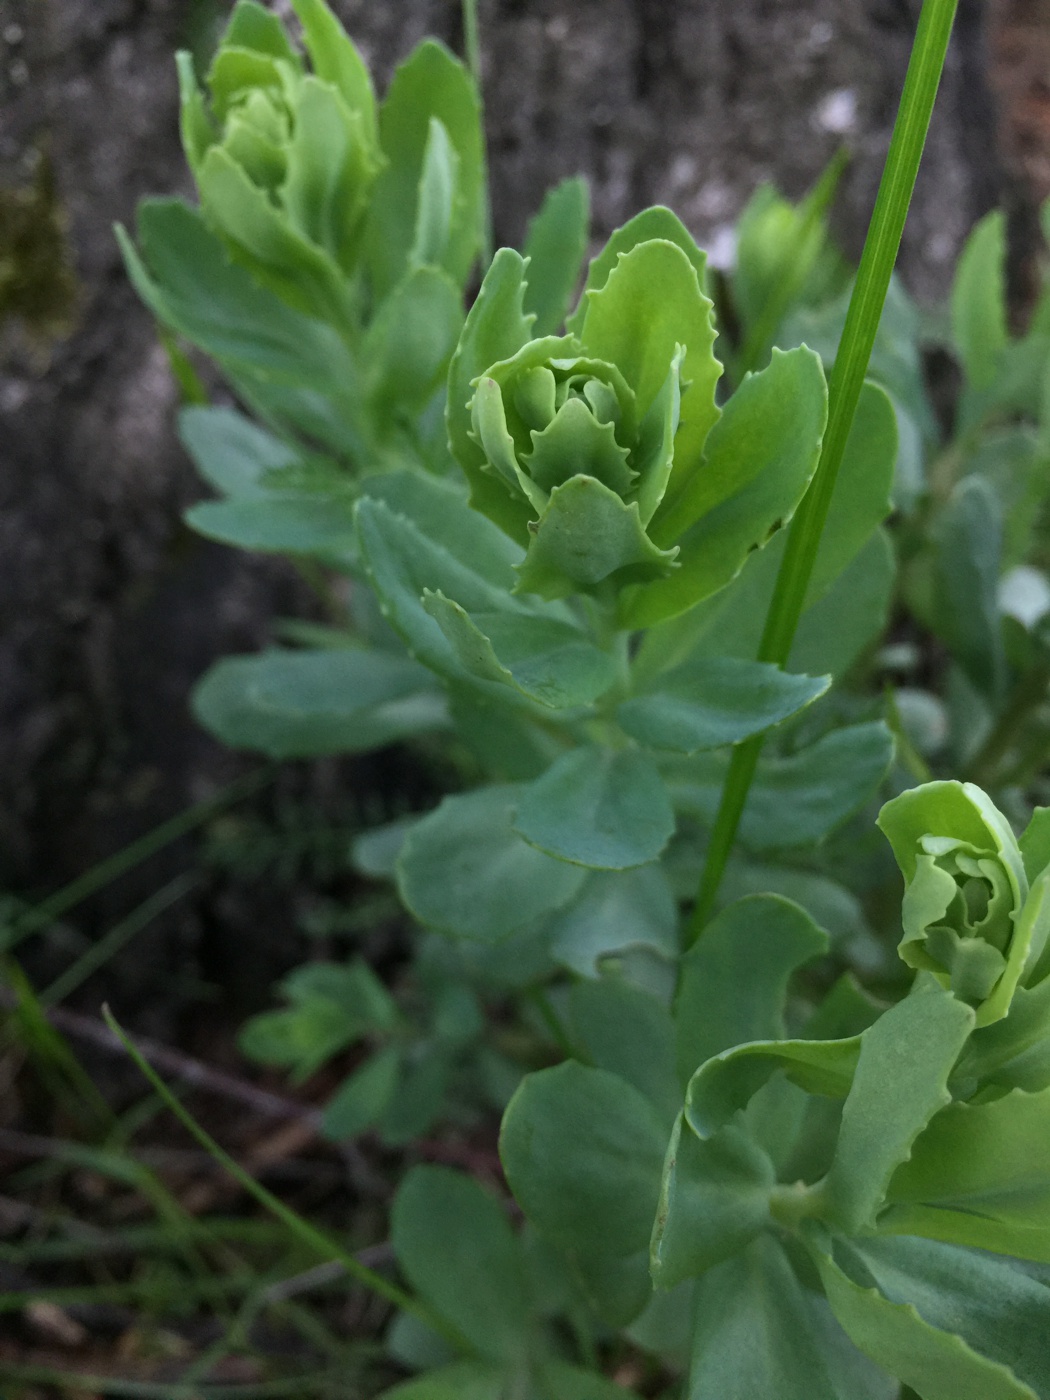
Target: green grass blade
301	1229
59	903
118	937
847	379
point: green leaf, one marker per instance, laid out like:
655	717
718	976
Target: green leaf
651	303
300	704
851	615
558	1381
496	329
232	453
601	809
252	26
758	461
187	280
329	169
331	1007
835	621
456	1248
967	541
410	340
586	536
900	1083
1035	843
733	983
336	59
437	196
463	870
266	242
281	522
728	1081
403	558
431	83
544	658
628	1032
655	222
938	1364
756	1336
363	1098
615	911
797	800
714	1201
583	1151
554	246
419	1098
465	1380
979	327
947	838
979	1176
709	702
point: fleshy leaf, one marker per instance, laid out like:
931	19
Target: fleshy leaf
728	1081
733	982
232	453
628	1032
756	1336
336	59
714	1200
794	800
437	197
188	281
655	222
457	1249
583	1150
709	702
651	303
600	809
300	704
430	83
554	245
616	910
757	464
463	870
900	1084
585	536
545	659
937	1363
281	522
979	327
979	1176
410	340
496	328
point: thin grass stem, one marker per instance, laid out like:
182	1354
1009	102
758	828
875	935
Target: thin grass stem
45	913
847	380
299	1228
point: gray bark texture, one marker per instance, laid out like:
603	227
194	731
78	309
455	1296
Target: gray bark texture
110	609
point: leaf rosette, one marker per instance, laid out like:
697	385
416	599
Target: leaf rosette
572	442
973	915
561	430
284	158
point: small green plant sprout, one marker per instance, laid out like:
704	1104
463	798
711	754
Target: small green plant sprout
970	915
325	265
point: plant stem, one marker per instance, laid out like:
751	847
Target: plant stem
472	44
847	380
